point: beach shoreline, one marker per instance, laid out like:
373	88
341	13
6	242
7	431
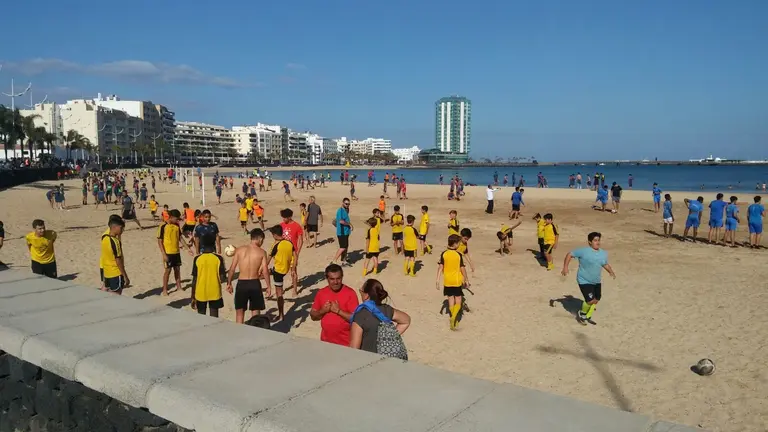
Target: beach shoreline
672	303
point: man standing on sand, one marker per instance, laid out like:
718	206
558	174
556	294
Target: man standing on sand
292	231
314	221
129	209
343	230
716	219
694	216
333	306
251	260
616	196
489	196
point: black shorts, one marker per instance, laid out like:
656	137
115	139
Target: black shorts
423	237
548	248
343	241
187	229
243	223
541	246
591	291
129	215
278	278
311	227
153	212
370	255
48	270
248	295
101	274
174	260
452	291
515	207
202	306
114	284
397	236
409	254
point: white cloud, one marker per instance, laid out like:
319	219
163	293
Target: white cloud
128	70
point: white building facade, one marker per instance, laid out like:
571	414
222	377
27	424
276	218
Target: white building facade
203	143
406	155
259	143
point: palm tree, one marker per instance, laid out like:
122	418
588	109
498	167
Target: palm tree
39	138
50	139
30	132
74	141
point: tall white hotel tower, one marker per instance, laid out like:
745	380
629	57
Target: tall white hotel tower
453	117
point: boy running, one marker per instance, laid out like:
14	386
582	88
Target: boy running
168	240
243	217
454	278
396	222
668	218
453	223
731	221
592	260
153	207
539	233
551	237
258	212
40	244
410	245
424	230
285	257
143	196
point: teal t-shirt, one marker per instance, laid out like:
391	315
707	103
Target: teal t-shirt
591	264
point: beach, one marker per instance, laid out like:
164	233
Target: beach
671	304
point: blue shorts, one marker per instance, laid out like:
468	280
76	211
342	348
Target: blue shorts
715	223
755	228
731	224
603	201
692	222
657	199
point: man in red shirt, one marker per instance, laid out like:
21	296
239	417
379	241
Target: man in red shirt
293	232
333	306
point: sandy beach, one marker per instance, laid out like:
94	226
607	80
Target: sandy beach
672	303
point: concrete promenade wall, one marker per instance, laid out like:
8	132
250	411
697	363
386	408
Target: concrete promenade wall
182	370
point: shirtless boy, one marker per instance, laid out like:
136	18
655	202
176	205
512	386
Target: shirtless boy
251	260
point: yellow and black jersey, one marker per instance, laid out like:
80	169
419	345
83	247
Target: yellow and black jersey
453	227
208	272
282	255
462	248
111	250
550	233
170	234
452	262
373	239
540	228
397	219
105	233
410	238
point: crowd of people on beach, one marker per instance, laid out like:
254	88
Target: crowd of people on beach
344	318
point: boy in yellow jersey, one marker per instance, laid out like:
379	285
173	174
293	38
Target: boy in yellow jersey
551	236
40	244
249	205
454	278
463	247
453	223
153	207
284	257
258	211
243	217
396	222
410	245
208	272
189	221
303	211
115	278
540	233
505	237
372	245
168	240
424	230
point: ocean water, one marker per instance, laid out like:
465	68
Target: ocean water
669	177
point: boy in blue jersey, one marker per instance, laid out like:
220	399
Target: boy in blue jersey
656	197
592	261
731	222
716	212
694	217
602	197
755	214
668	217
517	202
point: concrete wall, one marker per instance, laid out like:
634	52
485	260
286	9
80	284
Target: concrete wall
207	374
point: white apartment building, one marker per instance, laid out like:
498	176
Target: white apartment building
260	142
341	144
363	147
406	155
47	115
168	122
315	148
114	131
295	150
152	122
203	143
379	145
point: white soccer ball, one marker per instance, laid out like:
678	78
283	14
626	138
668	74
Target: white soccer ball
705	367
229	250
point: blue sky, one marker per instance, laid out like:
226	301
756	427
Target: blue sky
557	79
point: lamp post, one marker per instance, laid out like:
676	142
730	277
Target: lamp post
154	146
135	161
13	95
114	137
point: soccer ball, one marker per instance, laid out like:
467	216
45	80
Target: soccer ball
229	250
705	367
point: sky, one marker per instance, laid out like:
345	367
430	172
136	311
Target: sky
554	79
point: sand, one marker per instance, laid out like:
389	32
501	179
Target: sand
672	304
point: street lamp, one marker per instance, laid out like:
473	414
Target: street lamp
154	146
135	161
13	95
115	133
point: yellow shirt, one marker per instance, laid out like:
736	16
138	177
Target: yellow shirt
550	232
507	231
243	214
41	248
101	263
249	204
462	249
152	205
453	227
410	240
424	224
207	274
540	228
111	250
303	217
452	262
373	239
170	234
397	218
282	254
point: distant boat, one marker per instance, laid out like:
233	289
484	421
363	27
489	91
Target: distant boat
709	160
